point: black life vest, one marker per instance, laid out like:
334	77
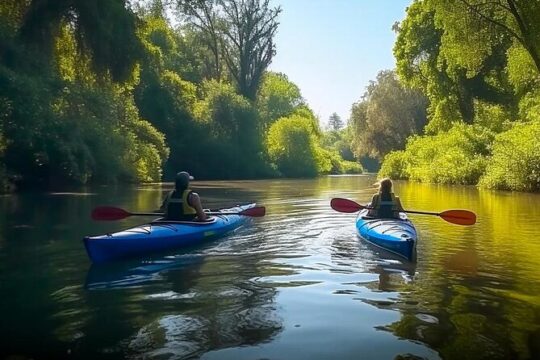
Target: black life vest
386	205
178	207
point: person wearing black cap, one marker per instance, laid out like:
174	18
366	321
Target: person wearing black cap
182	204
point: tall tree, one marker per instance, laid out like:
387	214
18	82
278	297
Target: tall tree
203	17
452	72
387	114
241	32
335	122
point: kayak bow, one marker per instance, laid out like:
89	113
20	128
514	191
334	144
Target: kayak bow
398	236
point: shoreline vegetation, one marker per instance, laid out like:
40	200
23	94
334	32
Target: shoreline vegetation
478	64
81	104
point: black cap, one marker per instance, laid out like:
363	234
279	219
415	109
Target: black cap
182	179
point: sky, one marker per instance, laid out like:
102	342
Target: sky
331	49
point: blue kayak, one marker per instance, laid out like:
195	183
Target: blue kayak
395	235
160	235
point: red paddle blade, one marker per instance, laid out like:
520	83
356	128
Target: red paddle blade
460	217
257	211
109	213
345	205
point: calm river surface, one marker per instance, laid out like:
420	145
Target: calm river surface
296	284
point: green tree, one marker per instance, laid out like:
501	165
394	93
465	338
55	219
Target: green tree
277	97
241	32
387	114
514	19
231	129
104	29
452	73
292	146
335	122
340	141
63	118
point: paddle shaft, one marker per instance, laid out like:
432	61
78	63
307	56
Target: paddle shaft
456	216
421	212
163	214
407	211
111	213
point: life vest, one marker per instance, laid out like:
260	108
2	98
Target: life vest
178	207
386	206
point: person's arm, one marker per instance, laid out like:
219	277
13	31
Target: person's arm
163	206
398	203
195	201
372	212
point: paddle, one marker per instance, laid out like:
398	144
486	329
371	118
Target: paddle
459	217
111	213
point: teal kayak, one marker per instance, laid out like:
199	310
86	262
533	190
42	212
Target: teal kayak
161	235
398	236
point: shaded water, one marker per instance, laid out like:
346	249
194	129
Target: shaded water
297	284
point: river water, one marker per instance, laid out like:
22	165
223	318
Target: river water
296	284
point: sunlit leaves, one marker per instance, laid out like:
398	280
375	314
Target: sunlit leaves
277	97
515	164
292	146
522	72
466	41
11	15
386	116
456	156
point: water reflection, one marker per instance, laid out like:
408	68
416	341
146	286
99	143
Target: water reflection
298	283
134	273
217	309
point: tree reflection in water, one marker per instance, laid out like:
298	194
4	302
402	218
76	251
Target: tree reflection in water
203	305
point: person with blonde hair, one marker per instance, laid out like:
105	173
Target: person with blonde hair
384	203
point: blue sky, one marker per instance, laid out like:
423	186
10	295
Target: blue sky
331	49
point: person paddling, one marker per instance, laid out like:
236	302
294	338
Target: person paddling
385	204
182	204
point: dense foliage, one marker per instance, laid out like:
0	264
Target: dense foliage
298	148
477	63
104	92
64	119
387	114
457	156
515	164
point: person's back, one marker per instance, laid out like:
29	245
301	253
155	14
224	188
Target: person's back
182	204
385	204
178	207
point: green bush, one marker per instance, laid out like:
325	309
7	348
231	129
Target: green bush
230	134
493	117
292	147
529	106
515	164
351	167
393	166
457	156
329	161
